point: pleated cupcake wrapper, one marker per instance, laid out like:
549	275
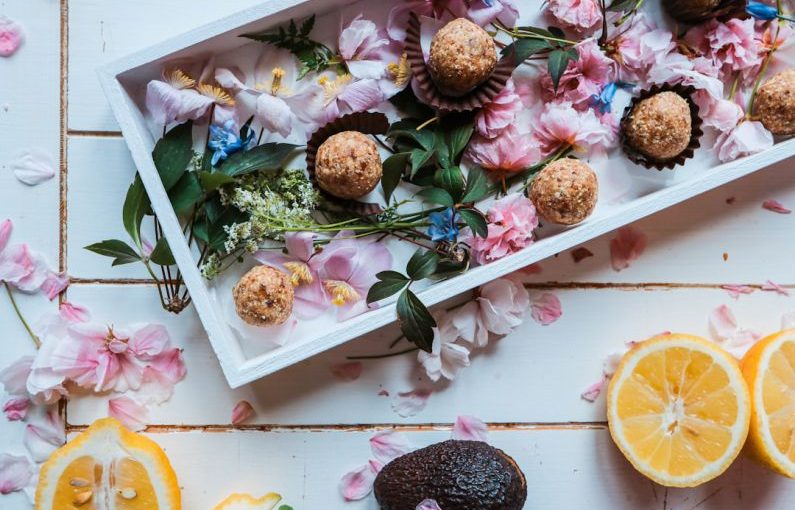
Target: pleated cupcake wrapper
482	95
686	92
369	123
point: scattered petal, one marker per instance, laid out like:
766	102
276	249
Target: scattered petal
627	246
722	323
593	391
16	409
776	207
44	434
581	254
771	286
129	412
389	445
358	483
347	372
429	504
410	403
15	473
242	412
11	37
14	377
383	393
469	428
736	290
34	166
546	309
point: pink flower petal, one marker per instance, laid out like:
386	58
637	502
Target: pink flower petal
593	391
149	341
546	309
74	313
15	473
722	323
357	484
469	428
389	445
44	434
774	287
627	246
410	403
347	372
11	37
736	290
34	166
242	412
16	409
6	227
429	504
14	377
776	207
130	413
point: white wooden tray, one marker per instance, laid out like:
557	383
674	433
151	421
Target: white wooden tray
125	80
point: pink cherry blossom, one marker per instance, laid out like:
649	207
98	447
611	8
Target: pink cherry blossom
14	377
399	15
736	290
25	270
11	37
486	12
546	309
776	207
242	412
747	138
582	15
510	152
358	484
347	267
583	79
347	372
770	286
512	220
15	473
493	118
301	264
560	126
389	445
725	331
44	433
469	428
675	68
16	409
368	52
446	358
129	412
732	46
499	309
410	403
721	114
428	504
639	48
626	247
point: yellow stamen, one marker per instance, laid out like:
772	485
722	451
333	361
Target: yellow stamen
216	93
179	79
332	88
341	292
299	273
400	71
278	74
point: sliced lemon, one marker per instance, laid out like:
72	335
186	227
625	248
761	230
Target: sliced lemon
108	467
678	409
248	502
769	369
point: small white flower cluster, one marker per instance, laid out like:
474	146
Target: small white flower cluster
211	267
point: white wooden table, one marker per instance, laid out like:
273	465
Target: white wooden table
311	428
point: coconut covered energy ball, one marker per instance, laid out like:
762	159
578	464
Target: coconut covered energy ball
348	165
660	127
565	192
775	104
264	297
462	56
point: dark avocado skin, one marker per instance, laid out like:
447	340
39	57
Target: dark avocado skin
459	475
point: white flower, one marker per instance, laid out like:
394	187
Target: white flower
446	358
499	309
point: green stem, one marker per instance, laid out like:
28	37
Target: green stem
763	71
735	83
521	34
33	336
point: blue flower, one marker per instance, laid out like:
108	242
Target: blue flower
604	101
761	11
444	225
224	141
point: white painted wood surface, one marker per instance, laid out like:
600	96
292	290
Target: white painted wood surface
310	428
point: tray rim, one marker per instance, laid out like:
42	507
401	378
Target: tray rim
237	369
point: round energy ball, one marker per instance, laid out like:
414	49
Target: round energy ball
565	192
264	297
660	126
462	56
775	103
348	165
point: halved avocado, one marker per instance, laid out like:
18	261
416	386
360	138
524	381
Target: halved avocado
459	475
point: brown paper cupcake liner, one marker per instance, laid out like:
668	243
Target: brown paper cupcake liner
369	123
696	132
481	96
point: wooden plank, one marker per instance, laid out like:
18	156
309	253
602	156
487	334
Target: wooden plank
565	469
534	375
101	31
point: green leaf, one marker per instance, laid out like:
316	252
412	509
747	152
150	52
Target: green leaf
161	255
557	64
213	181
389	284
288	507
136	203
437	196
478	186
621	5
523	49
451	180
308	25
475	220
173	154
268	156
186	193
407	129
120	251
419	158
557	33
458	139
422	264
245	128
394	166
416	322
216	233
537	30
408	104
441	150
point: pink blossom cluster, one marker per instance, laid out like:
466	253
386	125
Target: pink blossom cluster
27	270
481	12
